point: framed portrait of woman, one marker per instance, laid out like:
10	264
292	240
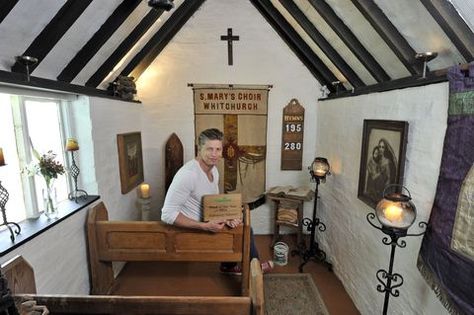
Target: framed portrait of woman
382	159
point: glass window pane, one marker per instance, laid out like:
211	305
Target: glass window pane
44	130
10	173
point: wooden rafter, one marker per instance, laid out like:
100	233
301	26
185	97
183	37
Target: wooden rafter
156	44
351	41
124	47
6	7
321	41
389	34
19	79
52	33
296	43
453	25
120	14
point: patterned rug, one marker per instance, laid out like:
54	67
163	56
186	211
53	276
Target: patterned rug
292	294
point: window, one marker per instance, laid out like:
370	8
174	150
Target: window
25	120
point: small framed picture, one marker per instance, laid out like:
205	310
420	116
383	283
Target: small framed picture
130	160
382	159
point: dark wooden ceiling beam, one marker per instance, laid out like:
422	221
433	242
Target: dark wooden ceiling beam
453	25
116	19
321	41
52	33
5	7
351	41
124	47
401	83
162	37
297	44
19	79
390	35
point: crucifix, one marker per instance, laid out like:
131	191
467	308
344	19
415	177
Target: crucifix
229	38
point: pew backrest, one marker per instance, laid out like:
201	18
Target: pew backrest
155	241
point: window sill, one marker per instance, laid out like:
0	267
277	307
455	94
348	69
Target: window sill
30	228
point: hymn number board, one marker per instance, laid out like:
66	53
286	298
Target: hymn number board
292	136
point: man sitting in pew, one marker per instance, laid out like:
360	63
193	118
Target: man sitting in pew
197	178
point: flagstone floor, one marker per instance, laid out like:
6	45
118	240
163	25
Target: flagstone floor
204	279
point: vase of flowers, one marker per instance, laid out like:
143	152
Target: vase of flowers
49	169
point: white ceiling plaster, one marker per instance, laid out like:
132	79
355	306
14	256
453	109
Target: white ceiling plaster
335	42
139	45
112	43
466	9
75	38
22	25
310	43
421	31
369	38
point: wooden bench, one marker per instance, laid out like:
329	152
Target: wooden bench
22	285
154	241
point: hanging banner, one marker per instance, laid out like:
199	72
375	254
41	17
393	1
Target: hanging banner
446	257
240	111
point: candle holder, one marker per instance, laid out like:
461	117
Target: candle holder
3	201
75	171
396	213
144	206
319	169
27	61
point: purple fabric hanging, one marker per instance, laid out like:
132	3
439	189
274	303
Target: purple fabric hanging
446	257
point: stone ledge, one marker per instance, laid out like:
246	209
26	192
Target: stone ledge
30	228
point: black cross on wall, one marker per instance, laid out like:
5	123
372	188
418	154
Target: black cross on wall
229	38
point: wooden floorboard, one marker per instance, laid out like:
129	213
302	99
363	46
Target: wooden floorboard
204	279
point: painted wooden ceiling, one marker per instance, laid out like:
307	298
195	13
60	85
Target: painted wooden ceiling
346	44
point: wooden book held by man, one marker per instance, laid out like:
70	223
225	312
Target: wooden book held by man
222	207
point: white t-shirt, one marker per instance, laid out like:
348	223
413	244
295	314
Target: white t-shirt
185	192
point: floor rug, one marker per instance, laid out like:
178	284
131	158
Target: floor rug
292	294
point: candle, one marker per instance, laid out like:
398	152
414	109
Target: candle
145	190
320	172
2	159
393	213
71	145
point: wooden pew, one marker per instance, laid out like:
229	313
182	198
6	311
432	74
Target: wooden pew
150	241
155	241
19	269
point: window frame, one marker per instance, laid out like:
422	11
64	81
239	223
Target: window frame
20	122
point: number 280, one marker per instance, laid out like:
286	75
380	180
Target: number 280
292	145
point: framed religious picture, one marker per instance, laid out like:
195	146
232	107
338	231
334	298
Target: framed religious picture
130	160
382	159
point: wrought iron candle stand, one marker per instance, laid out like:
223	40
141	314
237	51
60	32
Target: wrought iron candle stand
74	170
3	201
318	170
396	213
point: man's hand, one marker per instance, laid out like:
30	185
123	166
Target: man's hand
214	226
233	223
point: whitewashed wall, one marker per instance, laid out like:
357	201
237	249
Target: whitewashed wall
197	55
109	118
58	257
353	246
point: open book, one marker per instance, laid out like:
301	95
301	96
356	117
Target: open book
289	191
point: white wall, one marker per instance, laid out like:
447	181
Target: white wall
58	257
109	118
197	55
352	245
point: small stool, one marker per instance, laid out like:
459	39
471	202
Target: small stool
288	212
